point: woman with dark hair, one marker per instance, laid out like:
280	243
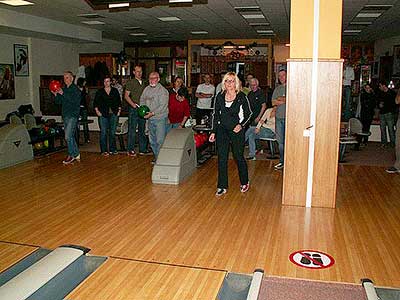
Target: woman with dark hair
107	105
368	104
232	114
83	113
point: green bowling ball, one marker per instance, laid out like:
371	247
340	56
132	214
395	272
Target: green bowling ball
143	110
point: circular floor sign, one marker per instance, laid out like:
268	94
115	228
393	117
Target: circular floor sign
311	259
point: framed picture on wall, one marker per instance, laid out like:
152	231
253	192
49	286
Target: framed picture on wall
21	60
396	61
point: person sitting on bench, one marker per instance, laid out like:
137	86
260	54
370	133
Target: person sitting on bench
264	130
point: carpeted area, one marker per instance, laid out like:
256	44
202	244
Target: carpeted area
279	288
372	154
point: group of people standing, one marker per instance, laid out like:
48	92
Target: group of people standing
236	117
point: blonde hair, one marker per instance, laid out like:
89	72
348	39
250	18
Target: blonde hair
237	81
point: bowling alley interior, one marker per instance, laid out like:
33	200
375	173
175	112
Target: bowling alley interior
319	216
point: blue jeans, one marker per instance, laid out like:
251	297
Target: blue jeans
157	132
108	125
172	125
70	126
387	120
252	136
280	137
135	121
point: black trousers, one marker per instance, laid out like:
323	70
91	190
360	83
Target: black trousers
226	139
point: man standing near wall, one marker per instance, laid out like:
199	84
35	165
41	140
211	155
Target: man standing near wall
133	91
204	94
348	76
156	97
70	99
279	100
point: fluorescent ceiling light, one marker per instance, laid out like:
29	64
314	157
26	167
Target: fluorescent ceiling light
247	7
169	19
16	2
93	22
259	24
138	34
351	31
200	32
90	16
265	31
254	16
180	1
369	15
377	6
132	27
118	5
361	23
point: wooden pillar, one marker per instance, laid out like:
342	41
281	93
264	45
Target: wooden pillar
310	177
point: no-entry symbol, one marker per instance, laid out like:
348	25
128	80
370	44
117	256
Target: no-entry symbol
311	259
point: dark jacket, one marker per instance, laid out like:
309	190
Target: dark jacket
107	103
228	117
387	103
368	104
70	101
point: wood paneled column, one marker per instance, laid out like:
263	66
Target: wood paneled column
323	79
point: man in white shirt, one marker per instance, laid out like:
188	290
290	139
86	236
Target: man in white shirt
348	76
204	94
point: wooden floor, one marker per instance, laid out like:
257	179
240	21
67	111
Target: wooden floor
111	206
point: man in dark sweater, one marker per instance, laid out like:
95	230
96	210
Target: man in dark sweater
387	108
70	98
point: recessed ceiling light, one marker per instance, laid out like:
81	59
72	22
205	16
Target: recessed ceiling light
138	34
368	15
146	41
93	22
287	45
16	2
200	32
169	19
254	16
118	5
265	31
180	1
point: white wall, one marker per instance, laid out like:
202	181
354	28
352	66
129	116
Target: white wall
22	91
46	57
50	58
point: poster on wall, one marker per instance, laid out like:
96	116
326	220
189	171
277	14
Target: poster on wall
7	88
21	61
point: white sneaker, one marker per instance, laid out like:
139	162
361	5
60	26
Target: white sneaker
78	158
279	166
